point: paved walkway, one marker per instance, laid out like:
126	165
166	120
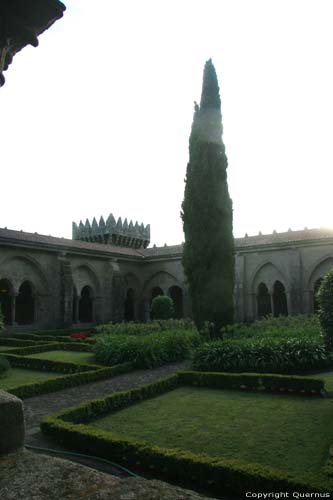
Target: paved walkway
39	406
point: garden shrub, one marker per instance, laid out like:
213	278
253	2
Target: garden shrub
279	355
4	366
325	299
146	351
162	307
2	323
131	328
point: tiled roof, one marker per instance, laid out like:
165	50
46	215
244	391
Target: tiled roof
64	243
10	236
249	241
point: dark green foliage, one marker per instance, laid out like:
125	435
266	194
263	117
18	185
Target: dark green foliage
1	319
155	326
253	381
284	327
162	307
325	298
75	375
214	474
262	355
54	346
4	366
146	351
208	256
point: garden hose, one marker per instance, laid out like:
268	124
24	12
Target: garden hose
81	455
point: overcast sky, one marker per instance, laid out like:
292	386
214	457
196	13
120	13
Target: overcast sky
97	118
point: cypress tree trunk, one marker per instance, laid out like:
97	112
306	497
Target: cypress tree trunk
208	256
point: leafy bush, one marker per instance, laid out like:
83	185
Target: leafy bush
162	307
2	323
262	355
325	298
305	326
4	366
146	351
155	326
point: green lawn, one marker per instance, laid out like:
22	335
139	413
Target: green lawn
86	358
327	377
21	376
284	432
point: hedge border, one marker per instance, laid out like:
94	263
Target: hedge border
53	346
75	374
216	475
270	382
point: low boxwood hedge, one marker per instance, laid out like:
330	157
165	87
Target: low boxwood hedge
254	381
211	474
19	342
75	374
53	346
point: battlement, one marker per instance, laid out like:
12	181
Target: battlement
111	232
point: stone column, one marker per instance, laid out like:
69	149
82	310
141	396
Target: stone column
271	294
289	302
13	308
66	293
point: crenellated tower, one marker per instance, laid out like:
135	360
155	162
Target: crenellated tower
111	232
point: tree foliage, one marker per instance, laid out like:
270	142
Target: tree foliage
208	256
325	298
162	307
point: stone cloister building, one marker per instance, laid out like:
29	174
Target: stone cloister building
106	275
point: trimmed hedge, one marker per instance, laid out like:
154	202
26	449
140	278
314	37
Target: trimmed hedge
4	366
213	474
146	351
254	381
280	355
86	375
55	346
18	342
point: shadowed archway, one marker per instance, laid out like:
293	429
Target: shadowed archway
279	299
6	301
25	305
86	305
176	294
129	309
315	295
263	301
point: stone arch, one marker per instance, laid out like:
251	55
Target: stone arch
85	275
176	294
268	274
6	300
264	306
161	279
131	296
18	268
320	268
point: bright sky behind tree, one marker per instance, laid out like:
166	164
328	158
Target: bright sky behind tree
97	118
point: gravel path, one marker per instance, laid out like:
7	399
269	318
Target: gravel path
39	406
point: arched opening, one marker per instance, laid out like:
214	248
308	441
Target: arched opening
25	305
129	306
263	301
176	294
156	291
315	295
6	301
279	299
75	313
86	305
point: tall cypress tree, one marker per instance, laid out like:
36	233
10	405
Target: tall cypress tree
208	256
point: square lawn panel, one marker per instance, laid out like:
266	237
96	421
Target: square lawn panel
79	357
282	431
22	376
